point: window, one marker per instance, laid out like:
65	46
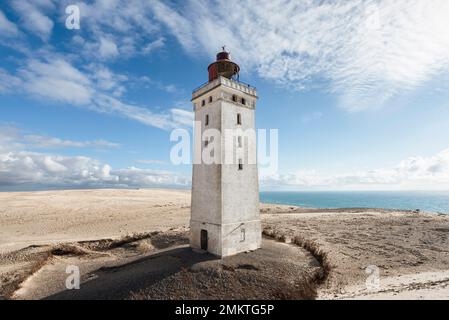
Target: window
239	142
242	235
234	98
239	118
240	165
206	121
203	103
243	101
210	99
206	143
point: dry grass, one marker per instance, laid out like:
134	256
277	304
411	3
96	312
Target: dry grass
321	275
11	281
274	234
321	256
158	239
68	250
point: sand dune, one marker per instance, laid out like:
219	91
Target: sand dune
33	218
40	232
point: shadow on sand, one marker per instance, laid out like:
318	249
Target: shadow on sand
119	282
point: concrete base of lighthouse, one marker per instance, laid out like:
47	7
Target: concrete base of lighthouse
226	239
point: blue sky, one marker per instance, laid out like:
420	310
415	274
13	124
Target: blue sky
357	89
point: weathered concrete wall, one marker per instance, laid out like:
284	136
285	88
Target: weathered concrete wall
241	237
214	236
225	200
206	180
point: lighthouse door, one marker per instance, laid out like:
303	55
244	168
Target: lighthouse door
204	239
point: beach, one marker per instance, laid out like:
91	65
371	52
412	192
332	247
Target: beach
112	229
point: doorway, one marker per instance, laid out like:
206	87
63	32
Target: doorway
204	239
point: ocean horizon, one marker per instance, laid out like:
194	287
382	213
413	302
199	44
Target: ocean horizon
431	201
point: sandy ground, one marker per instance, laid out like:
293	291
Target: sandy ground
34	218
43	232
409	251
177	272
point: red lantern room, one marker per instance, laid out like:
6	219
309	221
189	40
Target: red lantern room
223	67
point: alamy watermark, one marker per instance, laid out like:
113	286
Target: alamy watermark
230	147
373	280
73	280
72	21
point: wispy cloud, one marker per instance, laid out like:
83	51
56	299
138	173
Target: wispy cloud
154	45
151	161
7	28
108	49
57	80
33	16
364	51
96	88
117	28
51	142
13	138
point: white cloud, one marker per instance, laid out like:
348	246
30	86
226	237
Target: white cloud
364	51
57	80
151	161
108	49
8	81
117	27
32	169
7	28
98	89
183	117
37	141
182	28
431	173
32	16
21	167
110	105
154	45
13	138
107	80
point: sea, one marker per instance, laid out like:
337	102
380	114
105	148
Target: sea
436	201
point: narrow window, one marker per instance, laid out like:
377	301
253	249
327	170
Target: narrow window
243	101
239	118
206	143
206	121
240	165
234	98
239	140
242	235
203	103
210	99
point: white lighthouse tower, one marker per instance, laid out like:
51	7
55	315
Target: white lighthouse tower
225	216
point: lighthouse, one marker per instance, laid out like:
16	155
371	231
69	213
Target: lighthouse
225	217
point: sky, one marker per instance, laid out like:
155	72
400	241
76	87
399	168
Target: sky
358	90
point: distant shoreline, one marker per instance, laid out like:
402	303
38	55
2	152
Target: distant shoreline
278	198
